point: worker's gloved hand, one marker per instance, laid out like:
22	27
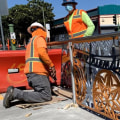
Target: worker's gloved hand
53	72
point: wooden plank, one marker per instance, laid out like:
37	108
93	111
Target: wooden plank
63	92
55	99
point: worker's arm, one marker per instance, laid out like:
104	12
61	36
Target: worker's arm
42	51
90	26
44	56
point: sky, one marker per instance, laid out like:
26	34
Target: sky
60	11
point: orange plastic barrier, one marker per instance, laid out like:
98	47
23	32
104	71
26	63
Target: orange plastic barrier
16	59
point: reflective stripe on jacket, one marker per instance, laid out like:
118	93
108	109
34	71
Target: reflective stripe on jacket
78	27
33	62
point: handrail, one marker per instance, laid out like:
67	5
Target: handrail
93	70
102	37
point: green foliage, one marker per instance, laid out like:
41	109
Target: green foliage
23	15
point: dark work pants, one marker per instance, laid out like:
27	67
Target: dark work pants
41	86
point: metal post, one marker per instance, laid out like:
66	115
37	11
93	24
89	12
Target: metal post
43	16
42	12
118	24
72	75
11	29
3	42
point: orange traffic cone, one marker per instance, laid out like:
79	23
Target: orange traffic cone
19	45
1	97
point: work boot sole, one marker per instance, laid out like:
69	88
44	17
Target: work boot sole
8	97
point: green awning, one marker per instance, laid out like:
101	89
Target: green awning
109	9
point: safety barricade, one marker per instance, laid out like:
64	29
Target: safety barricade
12	68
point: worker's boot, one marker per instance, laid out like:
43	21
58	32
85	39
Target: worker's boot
8	97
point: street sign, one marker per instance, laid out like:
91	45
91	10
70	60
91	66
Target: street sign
48	26
3	7
12	35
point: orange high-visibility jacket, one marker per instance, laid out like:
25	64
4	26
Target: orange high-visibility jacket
33	62
78	27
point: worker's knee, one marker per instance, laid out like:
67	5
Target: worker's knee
49	98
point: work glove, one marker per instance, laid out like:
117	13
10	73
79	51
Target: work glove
53	72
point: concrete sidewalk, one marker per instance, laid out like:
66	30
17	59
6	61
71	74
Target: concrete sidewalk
54	111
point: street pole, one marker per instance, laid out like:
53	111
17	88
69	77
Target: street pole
72	75
3	42
11	29
41	7
118	24
43	16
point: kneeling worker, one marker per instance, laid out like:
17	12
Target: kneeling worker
37	68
